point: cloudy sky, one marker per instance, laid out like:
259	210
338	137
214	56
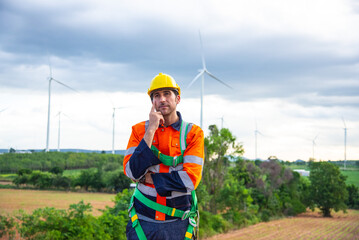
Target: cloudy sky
293	67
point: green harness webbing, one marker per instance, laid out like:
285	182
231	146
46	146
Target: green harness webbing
169	160
190	214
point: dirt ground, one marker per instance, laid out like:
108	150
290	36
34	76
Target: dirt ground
305	226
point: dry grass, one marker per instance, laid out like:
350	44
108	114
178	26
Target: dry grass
305	226
12	200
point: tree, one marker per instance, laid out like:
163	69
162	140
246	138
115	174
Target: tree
353	199
328	190
56	170
218	146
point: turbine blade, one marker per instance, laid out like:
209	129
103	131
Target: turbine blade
202	52
345	126
211	75
194	79
260	133
64	85
66	116
315	137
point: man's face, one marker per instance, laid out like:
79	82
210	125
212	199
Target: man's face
165	101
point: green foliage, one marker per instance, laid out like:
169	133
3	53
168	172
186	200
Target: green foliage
116	180
122	202
40	179
44	161
353	197
218	145
328	189
24	171
234	196
56	170
7	227
211	224
59	181
74	223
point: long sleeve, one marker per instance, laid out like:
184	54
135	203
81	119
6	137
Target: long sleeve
138	157
188	178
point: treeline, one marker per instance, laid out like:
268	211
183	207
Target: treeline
340	163
44	161
233	193
98	179
236	192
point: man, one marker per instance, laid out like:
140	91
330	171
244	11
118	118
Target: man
165	157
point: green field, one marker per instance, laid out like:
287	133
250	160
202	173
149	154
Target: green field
353	177
7	177
72	172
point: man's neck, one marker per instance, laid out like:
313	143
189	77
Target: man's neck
170	119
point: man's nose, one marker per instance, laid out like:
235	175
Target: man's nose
162	98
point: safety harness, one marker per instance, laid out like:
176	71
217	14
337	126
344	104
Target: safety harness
190	214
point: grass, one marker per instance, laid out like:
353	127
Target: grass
72	172
353	177
12	200
7	176
352	174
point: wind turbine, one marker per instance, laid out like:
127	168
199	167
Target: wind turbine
201	73
314	144
345	143
58	132
256	132
49	105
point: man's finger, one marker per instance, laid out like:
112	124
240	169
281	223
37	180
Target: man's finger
153	109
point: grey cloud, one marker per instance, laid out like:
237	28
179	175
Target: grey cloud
280	66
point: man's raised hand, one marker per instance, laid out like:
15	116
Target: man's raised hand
155	118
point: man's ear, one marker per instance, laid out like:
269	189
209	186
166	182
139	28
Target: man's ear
178	99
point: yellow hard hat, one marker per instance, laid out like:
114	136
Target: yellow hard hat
163	81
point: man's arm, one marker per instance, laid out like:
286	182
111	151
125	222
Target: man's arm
187	179
139	157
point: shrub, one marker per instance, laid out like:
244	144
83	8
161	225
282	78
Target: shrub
265	215
7	225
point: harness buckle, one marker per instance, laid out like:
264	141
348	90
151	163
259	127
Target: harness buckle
174	161
186	214
192	222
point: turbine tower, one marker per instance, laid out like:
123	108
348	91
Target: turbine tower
201	73
58	131
345	144
49	105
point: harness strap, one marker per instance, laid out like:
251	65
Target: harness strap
161	208
190	214
169	160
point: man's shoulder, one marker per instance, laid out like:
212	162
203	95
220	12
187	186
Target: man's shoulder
193	128
139	126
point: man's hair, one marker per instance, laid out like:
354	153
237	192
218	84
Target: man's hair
172	89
